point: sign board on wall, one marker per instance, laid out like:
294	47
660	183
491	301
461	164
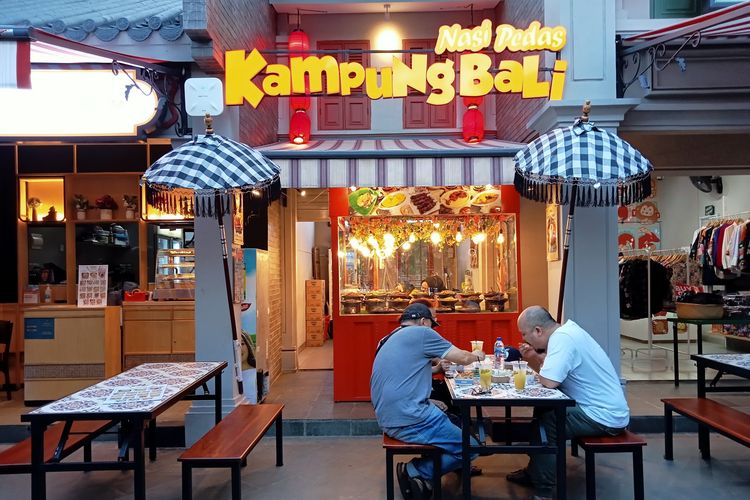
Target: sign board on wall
39	328
473	69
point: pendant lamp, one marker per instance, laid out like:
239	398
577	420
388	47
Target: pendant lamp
473	125
299	128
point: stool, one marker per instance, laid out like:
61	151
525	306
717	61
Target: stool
622	443
395	447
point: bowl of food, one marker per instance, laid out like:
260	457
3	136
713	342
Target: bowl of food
349	306
392	201
447	302
446	293
363	201
398	303
487	198
455	198
374	304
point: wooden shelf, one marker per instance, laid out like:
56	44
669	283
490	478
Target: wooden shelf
100	221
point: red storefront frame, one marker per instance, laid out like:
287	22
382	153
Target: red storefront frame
357	335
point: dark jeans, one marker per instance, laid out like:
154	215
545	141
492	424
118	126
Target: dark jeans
577	423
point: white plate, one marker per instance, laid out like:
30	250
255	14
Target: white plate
458	203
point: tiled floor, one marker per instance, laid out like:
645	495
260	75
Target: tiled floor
317	358
354	468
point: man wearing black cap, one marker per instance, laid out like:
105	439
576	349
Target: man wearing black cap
400	387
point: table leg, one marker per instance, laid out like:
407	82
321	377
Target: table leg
465	453
217	390
700	339
38	478
279	442
676	355
560	414
701	380
152	439
139	459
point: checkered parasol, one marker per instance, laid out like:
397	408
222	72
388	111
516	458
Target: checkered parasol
200	178
208	165
606	170
581	166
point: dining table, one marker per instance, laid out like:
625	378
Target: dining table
466	394
133	399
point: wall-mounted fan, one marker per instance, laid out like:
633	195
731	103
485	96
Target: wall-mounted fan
706	183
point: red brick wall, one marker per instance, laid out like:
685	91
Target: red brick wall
274	290
230	25
512	112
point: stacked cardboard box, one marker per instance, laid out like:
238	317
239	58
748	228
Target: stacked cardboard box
314	312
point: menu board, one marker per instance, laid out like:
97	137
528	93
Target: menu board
92	285
456	200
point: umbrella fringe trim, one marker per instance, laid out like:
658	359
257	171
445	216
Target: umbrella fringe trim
201	203
605	194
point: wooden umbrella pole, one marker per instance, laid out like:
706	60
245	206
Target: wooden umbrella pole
236	347
566	249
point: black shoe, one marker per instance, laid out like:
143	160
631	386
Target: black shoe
420	489
403	481
521	476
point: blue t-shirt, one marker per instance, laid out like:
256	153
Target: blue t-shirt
401	379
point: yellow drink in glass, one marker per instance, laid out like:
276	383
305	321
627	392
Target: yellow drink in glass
485	377
519	379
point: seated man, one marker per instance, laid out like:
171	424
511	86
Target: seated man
400	387
579	367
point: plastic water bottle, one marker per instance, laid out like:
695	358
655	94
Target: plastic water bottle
499	354
48	295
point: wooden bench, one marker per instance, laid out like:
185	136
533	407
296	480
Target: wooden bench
17	458
627	442
709	414
395	447
230	441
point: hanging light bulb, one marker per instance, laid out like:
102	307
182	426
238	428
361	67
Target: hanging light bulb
459	237
435	237
406	245
389	240
389	252
373	242
500	238
354	243
478	238
436	225
412	238
341	254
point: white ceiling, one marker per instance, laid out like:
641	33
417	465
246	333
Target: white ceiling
363	7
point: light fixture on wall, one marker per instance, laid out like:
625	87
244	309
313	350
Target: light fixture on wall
299	127
299	122
473	121
387	8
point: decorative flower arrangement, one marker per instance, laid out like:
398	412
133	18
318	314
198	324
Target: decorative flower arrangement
80	202
130	202
382	235
106	202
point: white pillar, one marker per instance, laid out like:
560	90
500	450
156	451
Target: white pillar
213	330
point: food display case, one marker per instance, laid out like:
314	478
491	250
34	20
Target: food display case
462	263
175	274
462	241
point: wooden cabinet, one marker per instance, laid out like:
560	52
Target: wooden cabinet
68	348
157	332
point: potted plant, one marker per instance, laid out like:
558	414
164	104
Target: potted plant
33	204
130	202
106	204
81	204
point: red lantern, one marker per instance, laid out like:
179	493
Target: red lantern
299	102
473	126
299	44
299	128
475	101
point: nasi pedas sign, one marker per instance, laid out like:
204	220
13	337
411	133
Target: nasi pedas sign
250	78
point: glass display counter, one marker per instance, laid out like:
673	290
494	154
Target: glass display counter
462	263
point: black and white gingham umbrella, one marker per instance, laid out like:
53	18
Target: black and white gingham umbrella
204	167
606	170
199	178
581	166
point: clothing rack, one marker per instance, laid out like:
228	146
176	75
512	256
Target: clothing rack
649	254
711	218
